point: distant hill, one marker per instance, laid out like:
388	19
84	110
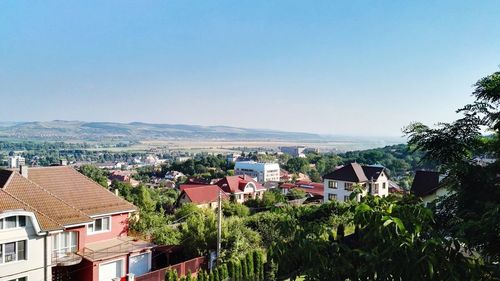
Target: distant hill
110	131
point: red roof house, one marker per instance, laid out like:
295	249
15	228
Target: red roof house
202	195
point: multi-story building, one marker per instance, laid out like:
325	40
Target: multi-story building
56	224
295	151
339	184
261	172
16	161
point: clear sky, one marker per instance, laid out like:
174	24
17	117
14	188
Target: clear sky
333	67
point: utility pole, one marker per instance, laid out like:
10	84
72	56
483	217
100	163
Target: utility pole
219	227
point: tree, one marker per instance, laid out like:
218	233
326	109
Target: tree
296	193
297	165
234	209
94	174
386	229
472	213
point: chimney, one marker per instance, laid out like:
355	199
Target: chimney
23	170
63	162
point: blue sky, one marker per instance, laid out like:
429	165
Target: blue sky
363	68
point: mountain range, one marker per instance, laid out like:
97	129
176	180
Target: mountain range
110	131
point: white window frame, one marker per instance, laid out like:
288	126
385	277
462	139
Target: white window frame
139	254
346	198
332	184
60	250
348	186
3	224
92	232
26	252
332	197
124	268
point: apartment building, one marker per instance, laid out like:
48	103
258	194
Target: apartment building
261	172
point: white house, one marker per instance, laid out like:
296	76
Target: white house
261	172
426	185
338	185
16	161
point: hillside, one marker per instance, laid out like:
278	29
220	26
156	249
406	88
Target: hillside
100	131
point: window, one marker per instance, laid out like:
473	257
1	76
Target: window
383	185
332	184
20	279
375	189
100	225
348	186
346	198
64	243
332	197
13	251
12	222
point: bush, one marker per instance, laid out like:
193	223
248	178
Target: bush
250	265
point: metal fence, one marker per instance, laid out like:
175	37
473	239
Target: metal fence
182	269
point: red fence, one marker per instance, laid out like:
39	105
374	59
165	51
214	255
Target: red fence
182	269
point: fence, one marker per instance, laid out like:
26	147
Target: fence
182	269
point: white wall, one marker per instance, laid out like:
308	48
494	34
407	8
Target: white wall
34	266
262	171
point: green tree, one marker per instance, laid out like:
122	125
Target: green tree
472	213
296	193
297	165
250	265
95	174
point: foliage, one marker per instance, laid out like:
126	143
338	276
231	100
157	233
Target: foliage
95	174
234	209
296	193
297	165
387	229
472	213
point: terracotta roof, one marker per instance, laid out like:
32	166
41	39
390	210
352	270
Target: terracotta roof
314	188
425	183
233	184
191	185
204	194
351	173
79	191
51	212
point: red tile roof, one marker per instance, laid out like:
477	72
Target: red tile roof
233	184
314	188
79	191
202	194
52	213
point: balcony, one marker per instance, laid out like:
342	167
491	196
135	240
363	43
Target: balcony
115	247
65	259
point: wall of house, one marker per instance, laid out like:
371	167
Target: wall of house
119	227
340	191
36	266
380	181
439	193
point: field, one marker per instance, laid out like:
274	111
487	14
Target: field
224	146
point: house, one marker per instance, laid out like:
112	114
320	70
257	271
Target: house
294	151
242	187
313	189
29	217
261	172
205	196
124	176
16	161
426	185
174	175
72	228
339	184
